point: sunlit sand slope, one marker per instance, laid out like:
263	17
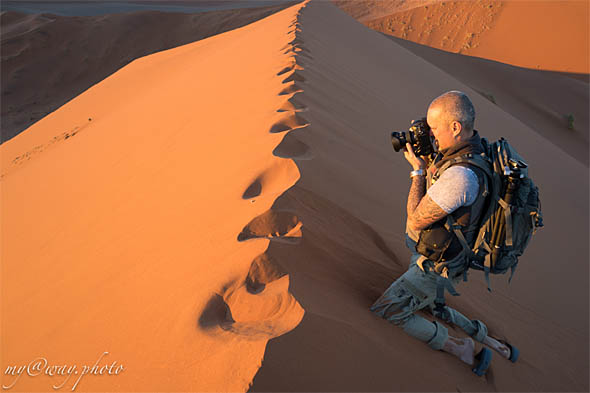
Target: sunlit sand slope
131	220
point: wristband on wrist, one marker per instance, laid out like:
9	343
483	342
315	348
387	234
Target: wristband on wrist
417	172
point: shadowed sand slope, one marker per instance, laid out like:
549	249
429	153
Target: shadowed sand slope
123	213
546	35
359	86
83	50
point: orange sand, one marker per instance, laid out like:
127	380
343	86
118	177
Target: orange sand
221	215
547	35
553	36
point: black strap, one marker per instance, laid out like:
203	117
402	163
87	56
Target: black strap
442	283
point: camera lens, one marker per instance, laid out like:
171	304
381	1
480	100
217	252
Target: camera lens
398	140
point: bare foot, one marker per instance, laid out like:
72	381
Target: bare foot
462	348
467	349
497	346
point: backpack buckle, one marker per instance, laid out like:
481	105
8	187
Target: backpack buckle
440	311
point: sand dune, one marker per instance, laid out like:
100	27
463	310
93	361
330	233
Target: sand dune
49	59
226	226
546	35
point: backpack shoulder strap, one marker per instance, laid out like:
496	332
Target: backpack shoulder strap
478	160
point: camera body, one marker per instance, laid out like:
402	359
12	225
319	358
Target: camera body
418	136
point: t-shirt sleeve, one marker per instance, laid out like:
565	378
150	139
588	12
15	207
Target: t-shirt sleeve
457	186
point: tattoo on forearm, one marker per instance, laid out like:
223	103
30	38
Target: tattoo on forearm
417	191
422	211
427	212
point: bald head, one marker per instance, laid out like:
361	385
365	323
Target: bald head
455	106
451	117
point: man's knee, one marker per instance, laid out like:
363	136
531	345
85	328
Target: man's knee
395	300
439	338
481	330
396	313
434	334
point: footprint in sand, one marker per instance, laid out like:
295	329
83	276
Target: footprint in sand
289	122
294	148
292	88
292	105
37	150
273	180
296	41
259	308
297	49
280	226
293	67
294	76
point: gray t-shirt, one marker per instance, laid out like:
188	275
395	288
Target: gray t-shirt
457	186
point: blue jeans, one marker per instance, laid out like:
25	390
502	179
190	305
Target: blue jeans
416	290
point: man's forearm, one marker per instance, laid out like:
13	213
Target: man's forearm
417	191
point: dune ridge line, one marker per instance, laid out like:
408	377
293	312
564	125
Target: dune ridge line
259	306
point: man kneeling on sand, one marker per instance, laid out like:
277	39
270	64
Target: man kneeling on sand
451	120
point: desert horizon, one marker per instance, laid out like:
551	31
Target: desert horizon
211	202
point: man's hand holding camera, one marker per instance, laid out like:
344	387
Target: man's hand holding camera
417	163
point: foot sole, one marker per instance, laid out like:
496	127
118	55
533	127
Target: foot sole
514	352
483	359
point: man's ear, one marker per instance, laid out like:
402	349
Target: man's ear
456	128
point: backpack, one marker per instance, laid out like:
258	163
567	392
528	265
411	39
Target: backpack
510	216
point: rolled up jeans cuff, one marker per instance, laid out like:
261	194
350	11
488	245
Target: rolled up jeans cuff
440	337
481	332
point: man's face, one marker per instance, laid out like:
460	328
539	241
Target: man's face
440	128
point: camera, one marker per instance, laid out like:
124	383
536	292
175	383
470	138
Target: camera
418	136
